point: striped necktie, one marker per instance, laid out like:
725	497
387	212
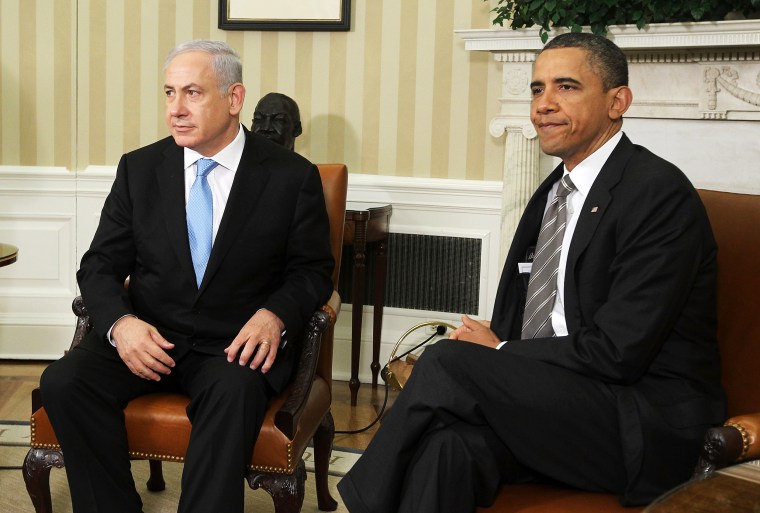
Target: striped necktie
200	218
542	286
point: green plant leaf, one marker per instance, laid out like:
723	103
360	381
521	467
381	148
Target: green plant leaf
600	14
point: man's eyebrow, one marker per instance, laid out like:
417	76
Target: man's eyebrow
566	80
185	87
558	80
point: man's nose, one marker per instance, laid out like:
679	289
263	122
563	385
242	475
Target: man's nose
544	103
176	105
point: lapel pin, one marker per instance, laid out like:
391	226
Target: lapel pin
594	209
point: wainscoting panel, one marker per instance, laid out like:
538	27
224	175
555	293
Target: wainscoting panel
37	214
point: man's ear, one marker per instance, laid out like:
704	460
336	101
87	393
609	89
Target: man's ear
622	97
236	98
297	130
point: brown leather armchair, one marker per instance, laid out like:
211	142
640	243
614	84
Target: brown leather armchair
735	220
158	428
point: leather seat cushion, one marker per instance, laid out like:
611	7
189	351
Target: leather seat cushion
538	498
158	428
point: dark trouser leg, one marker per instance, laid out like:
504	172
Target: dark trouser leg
226	409
555	422
84	395
455	468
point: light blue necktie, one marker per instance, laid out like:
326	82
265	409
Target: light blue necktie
200	218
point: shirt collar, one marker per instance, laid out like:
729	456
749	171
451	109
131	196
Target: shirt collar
229	157
584	174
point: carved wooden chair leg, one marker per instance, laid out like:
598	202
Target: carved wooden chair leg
323	444
287	490
156	481
37	465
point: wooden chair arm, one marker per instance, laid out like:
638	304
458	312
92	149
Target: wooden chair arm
83	321
286	418
332	307
736	440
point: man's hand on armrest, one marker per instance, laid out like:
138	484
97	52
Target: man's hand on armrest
142	348
258	338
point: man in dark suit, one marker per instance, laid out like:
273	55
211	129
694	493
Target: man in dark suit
222	328
616	395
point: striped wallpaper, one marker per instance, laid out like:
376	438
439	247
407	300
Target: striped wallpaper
397	95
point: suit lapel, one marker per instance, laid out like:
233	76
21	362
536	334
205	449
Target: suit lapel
249	183
170	175
595	207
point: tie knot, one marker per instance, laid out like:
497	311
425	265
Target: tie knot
566	186
204	166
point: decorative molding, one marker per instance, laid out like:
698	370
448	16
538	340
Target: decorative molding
37	181
705	34
727	77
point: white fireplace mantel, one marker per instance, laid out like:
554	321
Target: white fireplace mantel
696	89
734	33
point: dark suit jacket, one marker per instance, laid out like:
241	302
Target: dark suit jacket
271	251
640	310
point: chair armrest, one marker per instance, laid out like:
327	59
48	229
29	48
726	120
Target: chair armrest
83	321
736	440
286	418
332	307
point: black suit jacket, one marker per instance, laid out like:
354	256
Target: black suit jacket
640	310
271	251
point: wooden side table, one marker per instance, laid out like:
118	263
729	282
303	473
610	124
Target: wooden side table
366	223
733	489
8	254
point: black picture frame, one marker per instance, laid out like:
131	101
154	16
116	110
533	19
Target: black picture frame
288	22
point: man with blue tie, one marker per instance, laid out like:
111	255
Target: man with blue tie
224	238
601	370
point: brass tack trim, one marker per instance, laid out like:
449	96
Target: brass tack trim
745	438
151	456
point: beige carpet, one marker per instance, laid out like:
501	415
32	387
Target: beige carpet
14	498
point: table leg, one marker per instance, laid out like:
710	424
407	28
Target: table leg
357	307
379	300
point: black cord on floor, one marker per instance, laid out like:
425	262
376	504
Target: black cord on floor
379	414
439	331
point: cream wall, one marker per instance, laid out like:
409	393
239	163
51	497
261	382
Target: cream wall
397	95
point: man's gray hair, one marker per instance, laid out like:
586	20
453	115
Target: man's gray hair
225	62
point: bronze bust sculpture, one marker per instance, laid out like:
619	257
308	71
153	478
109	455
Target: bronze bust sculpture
277	118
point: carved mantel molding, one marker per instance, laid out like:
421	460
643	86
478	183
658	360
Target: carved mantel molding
690	71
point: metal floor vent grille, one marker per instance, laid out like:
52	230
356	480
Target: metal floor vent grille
425	272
